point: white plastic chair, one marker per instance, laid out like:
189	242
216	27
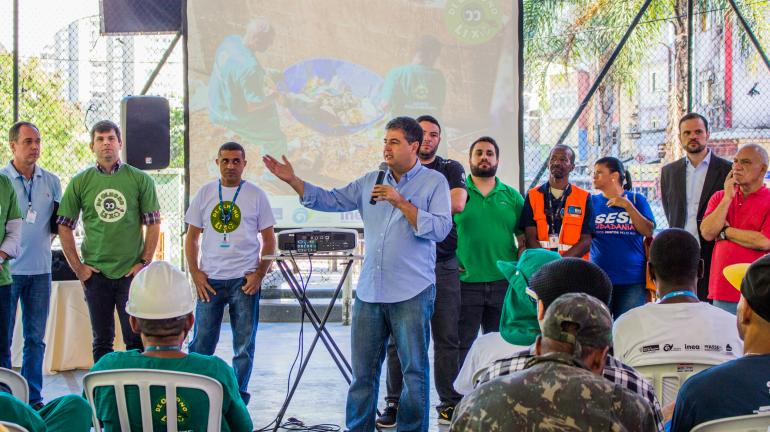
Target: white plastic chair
668	377
745	423
17	383
13	427
143	379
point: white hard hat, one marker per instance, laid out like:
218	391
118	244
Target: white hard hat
160	291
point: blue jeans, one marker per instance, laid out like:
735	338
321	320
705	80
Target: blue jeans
35	294
626	297
727	306
244	317
409	324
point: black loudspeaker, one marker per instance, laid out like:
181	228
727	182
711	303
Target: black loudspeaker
145	124
141	16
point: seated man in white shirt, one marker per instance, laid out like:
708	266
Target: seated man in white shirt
678	328
518	321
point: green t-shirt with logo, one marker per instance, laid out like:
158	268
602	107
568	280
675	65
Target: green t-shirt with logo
9	210
487	230
192	405
112	208
413	90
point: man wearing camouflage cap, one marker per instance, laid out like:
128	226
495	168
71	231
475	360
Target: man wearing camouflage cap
561	388
738	387
574	275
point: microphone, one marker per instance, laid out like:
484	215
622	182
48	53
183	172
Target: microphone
380	178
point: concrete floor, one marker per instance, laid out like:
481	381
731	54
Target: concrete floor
320	397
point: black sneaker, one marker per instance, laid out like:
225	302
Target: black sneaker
388	417
445	414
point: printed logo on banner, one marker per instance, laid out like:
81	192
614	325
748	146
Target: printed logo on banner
712	347
688	347
650	348
473	22
110	205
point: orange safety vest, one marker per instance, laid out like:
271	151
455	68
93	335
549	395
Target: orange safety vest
572	223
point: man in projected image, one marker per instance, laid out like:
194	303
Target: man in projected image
416	88
396	289
238	97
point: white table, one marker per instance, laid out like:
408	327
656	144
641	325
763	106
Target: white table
67	332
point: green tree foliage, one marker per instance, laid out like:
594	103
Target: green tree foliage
41	101
581	35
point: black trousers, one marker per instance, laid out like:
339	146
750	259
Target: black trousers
482	305
104	296
446	340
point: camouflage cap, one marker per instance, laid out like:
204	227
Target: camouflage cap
593	320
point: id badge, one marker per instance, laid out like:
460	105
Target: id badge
31	216
224	243
553	241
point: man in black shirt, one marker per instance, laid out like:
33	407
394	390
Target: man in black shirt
446	313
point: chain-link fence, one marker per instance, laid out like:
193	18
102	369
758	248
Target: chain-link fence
70	76
633	113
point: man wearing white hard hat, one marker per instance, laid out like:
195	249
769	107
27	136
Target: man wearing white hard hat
160	305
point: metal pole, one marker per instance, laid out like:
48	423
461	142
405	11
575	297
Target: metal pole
15	61
595	85
752	37
690	33
161	62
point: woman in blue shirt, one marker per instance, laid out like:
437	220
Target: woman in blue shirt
622	219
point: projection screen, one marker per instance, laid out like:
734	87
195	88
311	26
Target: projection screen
318	80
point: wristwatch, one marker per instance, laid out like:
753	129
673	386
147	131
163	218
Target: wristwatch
143	262
723	234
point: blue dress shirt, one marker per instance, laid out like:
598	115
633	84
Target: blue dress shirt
35	255
399	260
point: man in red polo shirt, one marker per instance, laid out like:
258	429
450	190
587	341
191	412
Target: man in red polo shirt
738	218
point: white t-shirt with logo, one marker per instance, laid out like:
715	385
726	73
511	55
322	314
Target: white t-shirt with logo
239	253
676	333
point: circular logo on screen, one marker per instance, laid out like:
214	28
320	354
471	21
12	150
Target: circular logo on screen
110	205
420	92
473	21
299	215
218	217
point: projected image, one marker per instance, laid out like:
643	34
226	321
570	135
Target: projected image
280	78
242	93
334	97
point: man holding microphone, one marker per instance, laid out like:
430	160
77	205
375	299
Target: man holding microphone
397	287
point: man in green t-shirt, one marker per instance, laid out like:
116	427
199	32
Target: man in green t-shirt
487	232
164	326
69	413
115	200
10	242
242	93
416	88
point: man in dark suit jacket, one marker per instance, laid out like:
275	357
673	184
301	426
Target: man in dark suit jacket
699	174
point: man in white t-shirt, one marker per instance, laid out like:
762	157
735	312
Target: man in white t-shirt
678	328
230	212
